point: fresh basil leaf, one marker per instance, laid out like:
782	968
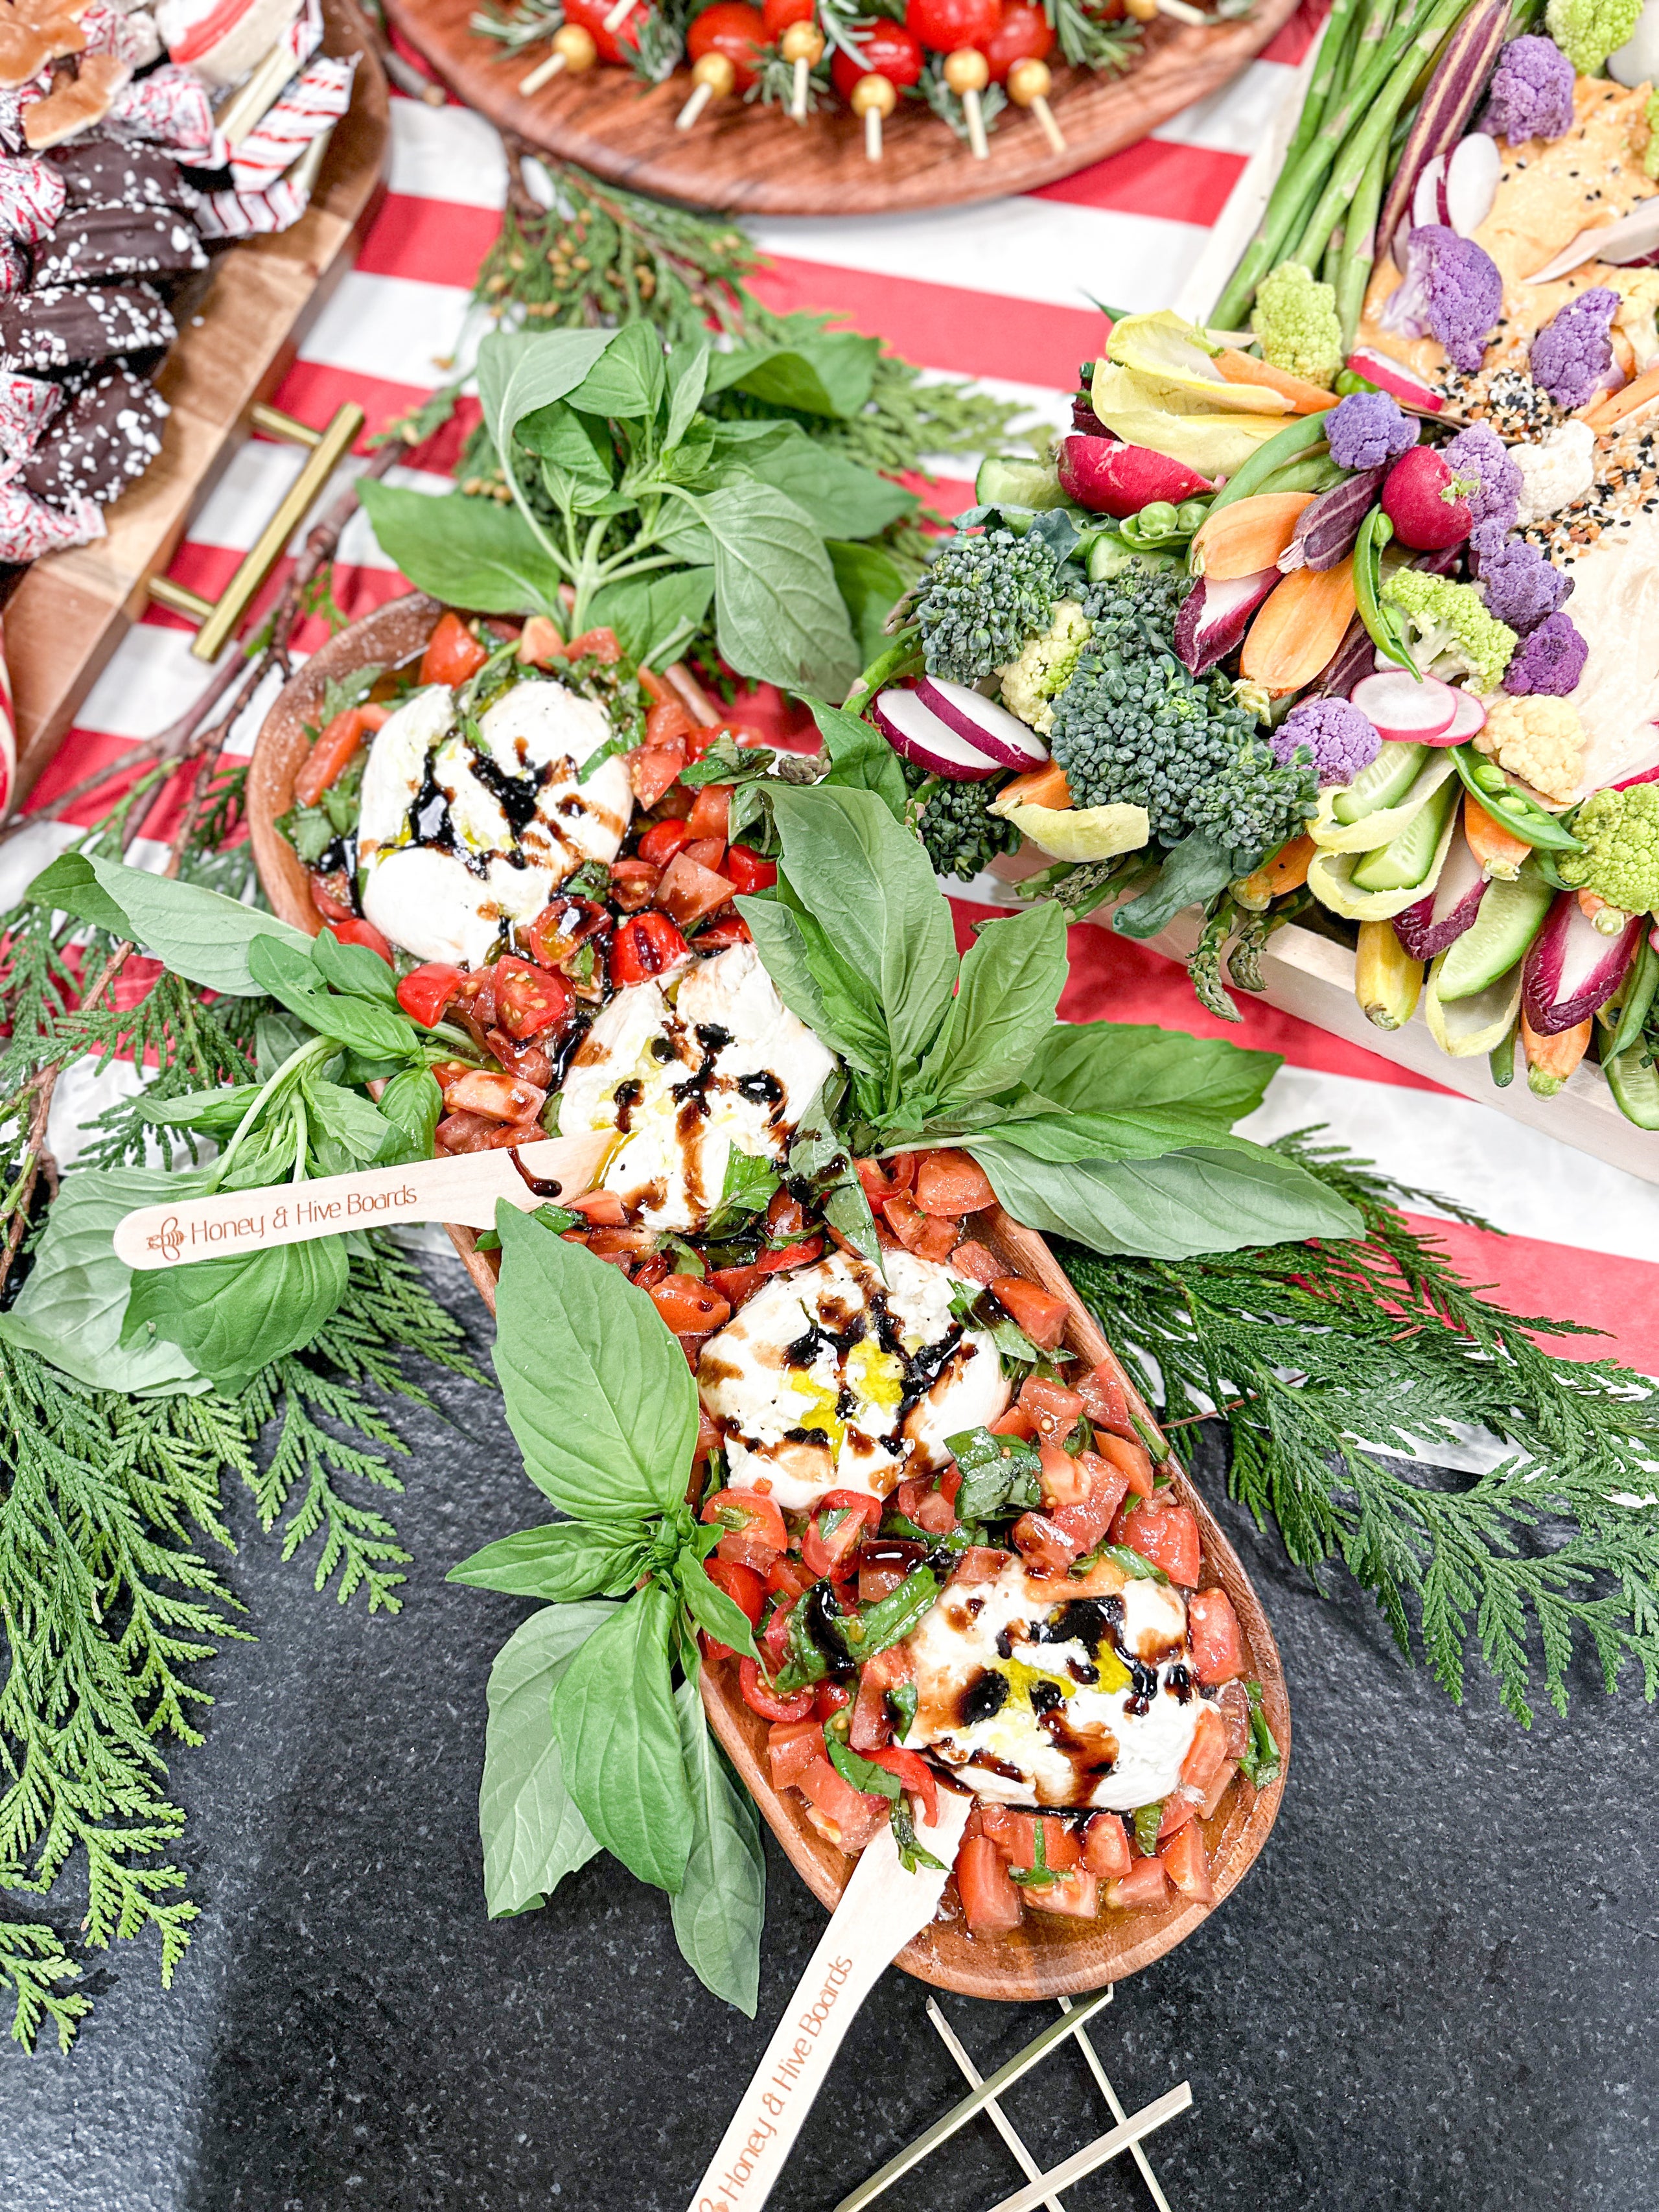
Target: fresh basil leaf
804	1660
912	1853
860	756
412	1105
1096	1067
1262	1762
687	377
74	1299
871	584
840	499
578	464
654	617
354	968
531	1831
1138	1133
470	552
276	1039
819	1156
1193	872
627	381
522	371
778	616
712	1609
721	1907
1197	1200
200	934
69	884
819	371
360	1129
862	1773
231	1317
210	1113
748	1186
849	1025
1012	979
615	1723
563	1560
377	1032
597	1392
999	1475
903	1700
1148	1820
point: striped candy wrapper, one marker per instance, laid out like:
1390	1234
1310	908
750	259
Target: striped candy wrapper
244	215
7	730
318	98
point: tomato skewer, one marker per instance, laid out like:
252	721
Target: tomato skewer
892	63
571	48
960	30
724	43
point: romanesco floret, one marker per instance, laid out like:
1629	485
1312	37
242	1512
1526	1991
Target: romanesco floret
1295	318
1619	832
1448	627
983	600
1588	31
954	823
1031	684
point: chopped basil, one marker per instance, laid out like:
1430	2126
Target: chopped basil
748	1186
912	1854
618	742
348	690
1148	1820
1261	1761
726	762
592	880
900	1524
1132	1562
687	1260
803	1661
876	1781
998	1474
904	1703
1149	1435
892	1618
977	1309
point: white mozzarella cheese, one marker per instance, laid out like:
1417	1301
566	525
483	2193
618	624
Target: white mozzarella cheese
1055	1723
832	1379
395	768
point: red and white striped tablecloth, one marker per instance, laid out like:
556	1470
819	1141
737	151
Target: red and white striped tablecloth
1000	291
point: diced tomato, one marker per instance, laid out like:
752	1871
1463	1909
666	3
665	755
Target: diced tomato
748	1509
1106	1848
950	1182
646	945
850	1818
775	1638
653	1270
977	1262
735	1284
529	1000
1234	1706
1040	1313
724	931
364	934
877	1581
652	769
1063	1481
1168	1536
498	1097
760	1698
1042	1544
426	991
600	1209
1104	1399
1013	1833
935	1512
689	890
914	1776
540	643
743	1586
990	1902
979	1562
789	1255
608	1244
1188	1864
1016	1422
530	1061
832	1697
872	1726
1215	1641
711	811
1051	1406
1108	1486
1146	1883
784	1214
904	1218
331	908
662	841
1206	1754
688	1306
1218	1789
1132	1457
335	748
748	871
477	1132
825	1553
1178	1811
632	884
668	724
706	852
655	689
881	1178
938	1238
1062	1846
791	1747
1076	1894
602	645
789	1575
742	1548
453	653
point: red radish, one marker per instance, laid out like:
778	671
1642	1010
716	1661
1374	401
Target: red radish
1429	199
1118	480
1573	967
1471	186
1471	716
1419	499
1393	377
990	729
1215	615
1437	922
916	734
1407	710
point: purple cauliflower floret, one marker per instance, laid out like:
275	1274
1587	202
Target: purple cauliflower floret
1487	538
1340	740
1521	587
1481	458
1367	429
1452	288
1550	662
1531	94
1572	355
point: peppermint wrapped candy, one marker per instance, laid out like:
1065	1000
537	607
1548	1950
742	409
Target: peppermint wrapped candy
31	199
244	215
171	107
316	100
27	403
131	38
28	527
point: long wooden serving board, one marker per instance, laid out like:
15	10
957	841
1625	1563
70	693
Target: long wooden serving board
751	160
1047	1956
71	610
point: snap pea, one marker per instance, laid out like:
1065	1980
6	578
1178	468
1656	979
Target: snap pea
1501	1058
1642	985
1381	627
1289	444
1506	802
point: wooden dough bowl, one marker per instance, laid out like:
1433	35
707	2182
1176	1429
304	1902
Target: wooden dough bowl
751	160
1047	1956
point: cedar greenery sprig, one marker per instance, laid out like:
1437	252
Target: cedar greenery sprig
1333	1365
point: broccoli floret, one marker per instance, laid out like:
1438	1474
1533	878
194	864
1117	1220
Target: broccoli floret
983	602
1531	94
1031	685
1448	628
1588	31
953	822
1619	832
1550	661
1295	318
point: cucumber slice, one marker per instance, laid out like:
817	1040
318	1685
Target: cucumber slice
1633	1078
1330	878
1002	482
1510	916
1471	1027
1405	862
1383	784
1378	824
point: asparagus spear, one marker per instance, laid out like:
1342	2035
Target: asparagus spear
1354	263
1330	72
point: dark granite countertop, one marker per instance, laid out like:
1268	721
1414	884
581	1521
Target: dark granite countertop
1434	1990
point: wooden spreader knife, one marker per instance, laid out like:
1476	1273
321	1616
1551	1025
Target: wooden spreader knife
464	1188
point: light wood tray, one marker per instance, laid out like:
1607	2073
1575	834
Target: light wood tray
1047	1956
71	610
751	160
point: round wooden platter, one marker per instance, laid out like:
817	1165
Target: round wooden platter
751	160
1047	1956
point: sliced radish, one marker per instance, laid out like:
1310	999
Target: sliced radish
1435	923
1471	716
1427	205
1472	179
1392	376
1405	709
916	734
990	729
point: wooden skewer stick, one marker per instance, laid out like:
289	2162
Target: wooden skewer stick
712	78
618	15
873	97
572	49
1029	86
802	44
967	72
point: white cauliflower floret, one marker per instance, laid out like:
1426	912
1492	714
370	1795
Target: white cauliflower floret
1538	738
1032	684
1638	311
1556	471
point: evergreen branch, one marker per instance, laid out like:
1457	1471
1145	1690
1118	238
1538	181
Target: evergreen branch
34	1960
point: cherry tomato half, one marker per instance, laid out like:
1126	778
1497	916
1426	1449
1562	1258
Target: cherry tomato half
760	1698
734	29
